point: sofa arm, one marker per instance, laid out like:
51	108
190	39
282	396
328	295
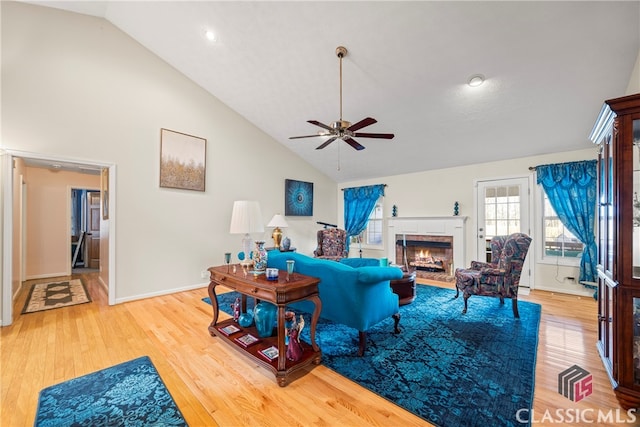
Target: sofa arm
378	274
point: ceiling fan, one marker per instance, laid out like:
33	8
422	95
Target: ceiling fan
343	129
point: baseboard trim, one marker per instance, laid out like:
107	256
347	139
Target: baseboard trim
47	276
581	293
161	293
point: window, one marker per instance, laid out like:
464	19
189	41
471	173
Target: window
502	210
558	241
372	235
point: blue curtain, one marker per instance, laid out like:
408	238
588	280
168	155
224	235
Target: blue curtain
358	204
571	188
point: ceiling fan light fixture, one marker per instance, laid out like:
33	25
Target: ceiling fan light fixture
210	35
476	80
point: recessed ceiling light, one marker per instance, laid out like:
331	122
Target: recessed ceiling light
210	35
475	80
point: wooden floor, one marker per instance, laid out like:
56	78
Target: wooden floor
212	385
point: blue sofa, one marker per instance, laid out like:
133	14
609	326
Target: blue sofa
354	292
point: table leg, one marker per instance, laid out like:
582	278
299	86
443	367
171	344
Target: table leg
314	321
282	350
214	304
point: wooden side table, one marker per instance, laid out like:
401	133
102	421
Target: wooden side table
280	293
405	287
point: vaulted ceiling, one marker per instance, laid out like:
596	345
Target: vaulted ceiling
548	68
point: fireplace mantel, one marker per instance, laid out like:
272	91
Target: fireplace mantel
429	226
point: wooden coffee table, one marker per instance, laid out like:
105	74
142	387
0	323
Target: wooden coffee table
280	293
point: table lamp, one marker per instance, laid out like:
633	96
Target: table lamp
277	221
246	218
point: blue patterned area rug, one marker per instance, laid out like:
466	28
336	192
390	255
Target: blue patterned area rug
476	369
128	394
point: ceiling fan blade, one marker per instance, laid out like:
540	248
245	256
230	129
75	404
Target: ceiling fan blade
362	123
327	142
374	135
317	123
304	136
352	142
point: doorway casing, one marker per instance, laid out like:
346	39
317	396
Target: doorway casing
7	158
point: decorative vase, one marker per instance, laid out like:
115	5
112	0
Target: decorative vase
246	319
264	314
260	256
286	243
289	320
235	308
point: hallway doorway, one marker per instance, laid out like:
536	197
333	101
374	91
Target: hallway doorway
13	259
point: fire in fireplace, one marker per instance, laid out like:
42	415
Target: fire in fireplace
423	260
425	253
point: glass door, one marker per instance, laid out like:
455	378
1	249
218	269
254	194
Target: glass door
503	209
636	200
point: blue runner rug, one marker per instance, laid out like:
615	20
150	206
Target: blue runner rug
476	369
128	394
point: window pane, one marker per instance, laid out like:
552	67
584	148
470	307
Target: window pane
502	210
558	240
372	235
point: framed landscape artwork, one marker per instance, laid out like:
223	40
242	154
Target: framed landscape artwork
298	198
182	160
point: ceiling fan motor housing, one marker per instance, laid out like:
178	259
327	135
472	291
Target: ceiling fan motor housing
340	125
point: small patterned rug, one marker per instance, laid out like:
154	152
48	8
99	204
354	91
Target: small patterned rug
47	296
128	394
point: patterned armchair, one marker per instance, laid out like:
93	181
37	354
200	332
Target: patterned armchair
500	279
332	244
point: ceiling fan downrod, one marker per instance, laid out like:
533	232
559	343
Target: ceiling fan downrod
341	52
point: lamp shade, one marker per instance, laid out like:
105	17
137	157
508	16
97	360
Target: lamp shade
278	221
246	217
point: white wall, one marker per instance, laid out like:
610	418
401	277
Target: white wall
634	82
433	193
75	86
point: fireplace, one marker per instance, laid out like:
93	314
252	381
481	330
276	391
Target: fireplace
425	253
433	247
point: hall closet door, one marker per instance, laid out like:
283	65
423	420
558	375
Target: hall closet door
503	208
93	230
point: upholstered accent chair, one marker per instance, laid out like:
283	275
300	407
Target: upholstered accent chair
499	278
332	244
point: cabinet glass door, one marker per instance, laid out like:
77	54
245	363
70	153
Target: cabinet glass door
636	199
602	203
636	341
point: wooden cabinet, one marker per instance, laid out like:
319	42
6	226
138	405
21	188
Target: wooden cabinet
617	133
